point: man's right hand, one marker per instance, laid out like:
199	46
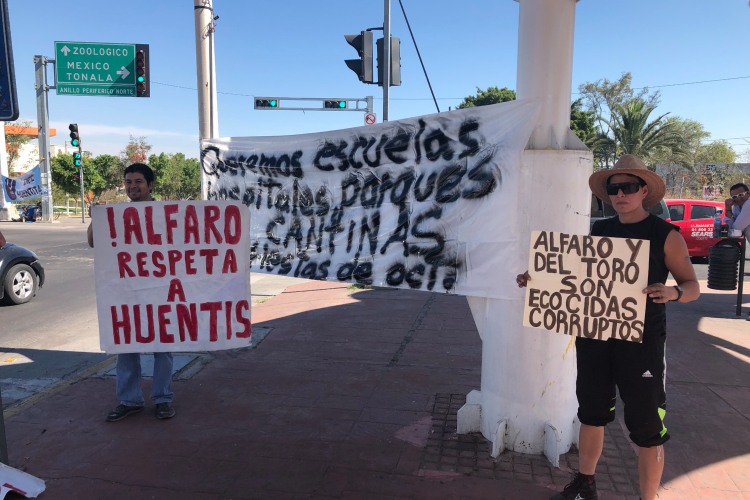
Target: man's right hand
523	279
728	204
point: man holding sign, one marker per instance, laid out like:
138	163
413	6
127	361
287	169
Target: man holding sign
613	359
139	182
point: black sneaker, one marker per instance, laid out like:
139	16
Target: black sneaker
578	489
164	410
121	412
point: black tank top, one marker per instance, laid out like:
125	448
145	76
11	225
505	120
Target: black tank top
655	230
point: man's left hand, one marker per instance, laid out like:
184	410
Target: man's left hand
661	293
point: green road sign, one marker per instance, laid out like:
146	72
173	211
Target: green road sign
96	69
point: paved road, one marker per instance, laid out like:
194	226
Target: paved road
55	336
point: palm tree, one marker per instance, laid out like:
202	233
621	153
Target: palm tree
633	133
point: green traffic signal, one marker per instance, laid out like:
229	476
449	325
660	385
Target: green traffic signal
342	104
141	79
74	143
273	103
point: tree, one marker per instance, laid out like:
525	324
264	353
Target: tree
716	152
65	175
635	134
108	168
135	152
692	134
14	141
176	177
582	122
493	95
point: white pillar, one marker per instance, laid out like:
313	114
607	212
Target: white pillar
527	401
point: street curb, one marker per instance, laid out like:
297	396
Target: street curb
46	394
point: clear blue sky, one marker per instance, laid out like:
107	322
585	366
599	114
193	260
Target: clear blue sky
297	48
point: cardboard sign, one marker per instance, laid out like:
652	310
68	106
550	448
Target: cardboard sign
587	286
24	187
172	276
422	203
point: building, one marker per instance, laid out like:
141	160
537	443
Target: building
704	180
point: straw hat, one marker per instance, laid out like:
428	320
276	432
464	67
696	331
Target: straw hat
630	165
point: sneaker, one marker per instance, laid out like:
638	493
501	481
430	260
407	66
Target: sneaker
121	412
578	489
164	410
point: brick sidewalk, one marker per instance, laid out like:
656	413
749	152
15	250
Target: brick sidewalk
353	394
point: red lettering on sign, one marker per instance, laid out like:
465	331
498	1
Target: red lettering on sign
132	225
211	214
124	324
213	308
122	263
151	237
140	258
209	254
187	319
189	261
174	257
164	337
169	211
191	225
157	258
175	288
151	330
230	262
242	304
228	318
232	218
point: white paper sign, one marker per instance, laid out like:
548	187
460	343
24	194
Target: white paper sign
425	203
587	286
172	276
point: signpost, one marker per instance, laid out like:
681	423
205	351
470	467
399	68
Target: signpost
8	95
101	69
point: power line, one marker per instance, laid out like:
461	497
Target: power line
461	98
418	55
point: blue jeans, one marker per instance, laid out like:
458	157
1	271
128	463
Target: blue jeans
129	379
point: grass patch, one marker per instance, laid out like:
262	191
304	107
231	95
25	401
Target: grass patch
260	301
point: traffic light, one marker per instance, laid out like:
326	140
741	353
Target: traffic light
363	65
335	104
77	159
266	103
395	61
75	139
142	81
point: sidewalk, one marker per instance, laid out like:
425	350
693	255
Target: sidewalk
353	395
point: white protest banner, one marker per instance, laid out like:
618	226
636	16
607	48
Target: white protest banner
426	203
24	187
172	276
587	286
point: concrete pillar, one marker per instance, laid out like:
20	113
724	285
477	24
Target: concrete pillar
527	400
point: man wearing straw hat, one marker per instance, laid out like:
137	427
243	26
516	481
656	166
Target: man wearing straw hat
637	370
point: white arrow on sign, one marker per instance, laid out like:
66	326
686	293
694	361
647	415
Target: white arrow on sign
124	72
65	50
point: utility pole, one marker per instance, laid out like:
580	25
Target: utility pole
386	59
208	120
42	118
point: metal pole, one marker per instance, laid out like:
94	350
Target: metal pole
369	104
42	118
681	186
83	199
741	278
386	58
3	438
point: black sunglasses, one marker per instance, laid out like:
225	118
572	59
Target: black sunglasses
626	187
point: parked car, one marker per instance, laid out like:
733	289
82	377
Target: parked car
21	274
695	219
601	210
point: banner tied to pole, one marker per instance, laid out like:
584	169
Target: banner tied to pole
24	187
172	276
587	286
425	203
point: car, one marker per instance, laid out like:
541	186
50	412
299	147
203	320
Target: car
21	274
601	210
695	218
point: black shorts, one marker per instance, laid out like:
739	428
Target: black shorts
638	370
